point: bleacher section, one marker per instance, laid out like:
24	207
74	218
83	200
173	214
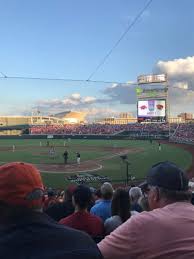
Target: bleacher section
159	130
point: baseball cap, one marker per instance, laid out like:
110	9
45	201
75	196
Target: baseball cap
21	185
51	192
167	175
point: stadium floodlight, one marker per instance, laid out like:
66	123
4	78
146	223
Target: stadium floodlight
124	159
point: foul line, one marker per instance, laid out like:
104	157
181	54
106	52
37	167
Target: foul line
73	172
58	172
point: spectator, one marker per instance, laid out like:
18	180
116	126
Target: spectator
98	196
135	194
26	232
143	202
62	209
81	219
103	208
165	232
60	196
50	200
120	208
92	202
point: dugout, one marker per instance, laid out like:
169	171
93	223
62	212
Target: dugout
15	130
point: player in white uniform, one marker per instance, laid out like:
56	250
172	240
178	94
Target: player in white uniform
52	152
159	147
13	148
78	158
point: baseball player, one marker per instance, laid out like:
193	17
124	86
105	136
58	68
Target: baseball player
13	148
52	152
65	156
159	147
78	157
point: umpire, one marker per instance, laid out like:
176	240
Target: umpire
65	156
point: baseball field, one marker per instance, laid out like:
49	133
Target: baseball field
100	159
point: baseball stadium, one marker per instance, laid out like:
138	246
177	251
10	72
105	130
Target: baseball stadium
118	150
97	129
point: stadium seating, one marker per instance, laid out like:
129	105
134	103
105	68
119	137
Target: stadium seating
184	134
99	129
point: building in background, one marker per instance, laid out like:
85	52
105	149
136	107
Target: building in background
75	117
176	120
126	115
123	118
61	118
186	116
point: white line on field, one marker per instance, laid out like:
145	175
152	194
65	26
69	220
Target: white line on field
100	159
73	172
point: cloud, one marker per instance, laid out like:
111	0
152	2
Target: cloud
179	71
121	93
74	99
123	96
95	108
181	101
181	86
178	67
73	102
76	96
89	99
181	83
97	113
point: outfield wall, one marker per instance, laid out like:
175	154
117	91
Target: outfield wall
181	142
26	136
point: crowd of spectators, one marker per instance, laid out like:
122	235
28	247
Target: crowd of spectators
76	129
99	129
154	220
184	133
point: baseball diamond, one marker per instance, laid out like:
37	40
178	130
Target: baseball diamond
98	156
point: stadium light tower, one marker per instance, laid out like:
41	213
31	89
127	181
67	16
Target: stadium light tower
124	159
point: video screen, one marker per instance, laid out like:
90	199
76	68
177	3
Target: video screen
151	108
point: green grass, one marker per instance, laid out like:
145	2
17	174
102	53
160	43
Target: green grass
113	168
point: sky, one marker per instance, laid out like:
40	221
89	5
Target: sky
69	38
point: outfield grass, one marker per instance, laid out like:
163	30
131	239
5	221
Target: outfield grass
30	151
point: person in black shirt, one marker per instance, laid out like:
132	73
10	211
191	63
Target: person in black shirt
26	232
62	209
65	156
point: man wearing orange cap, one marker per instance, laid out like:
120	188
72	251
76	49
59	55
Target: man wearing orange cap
25	231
